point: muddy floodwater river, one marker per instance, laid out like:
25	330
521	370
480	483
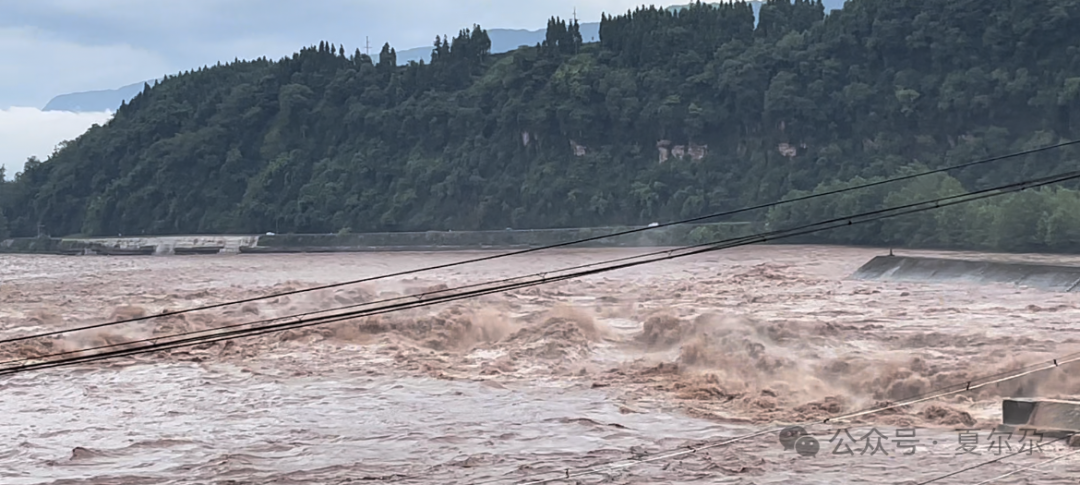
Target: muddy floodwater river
531	385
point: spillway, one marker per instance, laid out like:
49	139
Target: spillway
939	270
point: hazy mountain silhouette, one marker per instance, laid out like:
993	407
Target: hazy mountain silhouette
103	100
502	40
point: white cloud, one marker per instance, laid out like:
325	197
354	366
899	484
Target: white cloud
36	66
26	132
53	47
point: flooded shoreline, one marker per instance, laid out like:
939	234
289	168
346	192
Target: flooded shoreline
561	376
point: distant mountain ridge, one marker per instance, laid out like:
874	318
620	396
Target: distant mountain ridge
103	100
502	40
671	116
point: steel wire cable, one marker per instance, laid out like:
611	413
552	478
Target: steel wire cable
697	249
553	246
1029	468
995	460
851	220
418	297
955	389
685	450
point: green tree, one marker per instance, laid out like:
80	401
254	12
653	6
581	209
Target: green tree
675	112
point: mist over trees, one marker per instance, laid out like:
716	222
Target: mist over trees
671	115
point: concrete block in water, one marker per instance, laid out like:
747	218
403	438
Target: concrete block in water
1048	417
937	270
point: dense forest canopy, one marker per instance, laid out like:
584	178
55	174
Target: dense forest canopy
672	114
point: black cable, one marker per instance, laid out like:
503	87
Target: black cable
418	297
687	450
807	229
326	319
715	245
1032	467
989	462
968	385
937	204
421	296
552	246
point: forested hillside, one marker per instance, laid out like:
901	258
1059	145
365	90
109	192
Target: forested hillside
670	115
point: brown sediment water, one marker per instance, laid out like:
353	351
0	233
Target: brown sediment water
557	377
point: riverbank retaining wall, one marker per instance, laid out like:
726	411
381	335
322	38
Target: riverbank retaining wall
935	270
680	235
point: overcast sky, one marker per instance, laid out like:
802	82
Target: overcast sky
53	47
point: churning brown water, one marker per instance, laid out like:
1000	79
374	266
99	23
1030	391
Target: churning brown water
498	389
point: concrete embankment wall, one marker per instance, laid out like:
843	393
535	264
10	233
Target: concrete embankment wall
449	240
162	245
389	241
937	270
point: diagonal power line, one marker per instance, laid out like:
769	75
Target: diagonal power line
683	252
775	235
553	246
683	451
1000	459
1029	468
157	344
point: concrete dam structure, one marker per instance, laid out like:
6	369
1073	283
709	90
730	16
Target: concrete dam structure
680	235
938	270
129	246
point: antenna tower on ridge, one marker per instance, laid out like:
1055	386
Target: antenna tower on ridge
367	46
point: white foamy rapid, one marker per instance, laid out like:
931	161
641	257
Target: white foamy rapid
538	380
